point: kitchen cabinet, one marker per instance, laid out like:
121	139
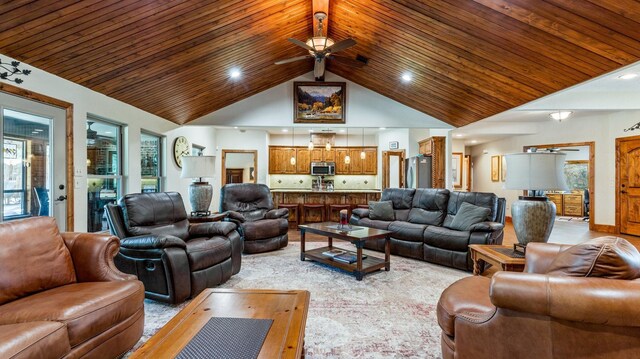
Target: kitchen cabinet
370	162
435	147
280	160
303	161
317	154
341	167
355	167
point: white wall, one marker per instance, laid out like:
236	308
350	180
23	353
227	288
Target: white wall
87	101
603	130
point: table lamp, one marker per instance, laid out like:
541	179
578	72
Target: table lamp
533	215
200	192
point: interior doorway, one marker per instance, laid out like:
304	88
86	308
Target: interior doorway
628	185
33	179
393	169
577	204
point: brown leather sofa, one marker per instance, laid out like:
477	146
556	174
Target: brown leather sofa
174	259
422	217
62	295
571	302
250	206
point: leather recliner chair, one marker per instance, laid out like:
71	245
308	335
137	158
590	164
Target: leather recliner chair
571	302
250	205
174	259
61	295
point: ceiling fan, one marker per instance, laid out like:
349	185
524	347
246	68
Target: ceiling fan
322	48
555	149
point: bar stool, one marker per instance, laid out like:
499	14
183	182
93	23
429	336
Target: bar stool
311	207
294	213
334	209
362	206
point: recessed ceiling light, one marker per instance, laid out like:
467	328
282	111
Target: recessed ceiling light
629	76
235	127
342	130
234	73
560	115
458	135
474	141
382	128
406	77
311	130
285	130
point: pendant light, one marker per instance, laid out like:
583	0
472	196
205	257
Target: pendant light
293	155
347	158
310	141
362	154
327	146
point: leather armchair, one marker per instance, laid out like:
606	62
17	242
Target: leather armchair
250	206
552	310
62	296
174	259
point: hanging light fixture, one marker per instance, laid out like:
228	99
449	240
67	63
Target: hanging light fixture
560	115
310	141
293	155
327	146
347	158
362	154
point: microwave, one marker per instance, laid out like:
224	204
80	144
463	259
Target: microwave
323	168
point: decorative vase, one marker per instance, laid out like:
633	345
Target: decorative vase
200	194
533	219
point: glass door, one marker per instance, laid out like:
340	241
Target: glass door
33	176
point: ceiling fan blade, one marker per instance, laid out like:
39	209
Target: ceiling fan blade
341	45
347	61
286	61
301	44
318	68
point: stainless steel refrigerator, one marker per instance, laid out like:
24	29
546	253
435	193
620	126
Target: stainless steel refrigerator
418	172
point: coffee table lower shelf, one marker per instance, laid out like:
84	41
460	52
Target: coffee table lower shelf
369	264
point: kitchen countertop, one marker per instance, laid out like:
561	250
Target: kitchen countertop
301	190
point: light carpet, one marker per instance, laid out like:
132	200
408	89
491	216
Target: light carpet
386	315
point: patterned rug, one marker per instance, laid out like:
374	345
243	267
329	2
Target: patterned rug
386	315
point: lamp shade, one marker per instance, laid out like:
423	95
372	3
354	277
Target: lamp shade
536	171
198	166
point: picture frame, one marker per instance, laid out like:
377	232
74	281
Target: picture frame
319	102
503	168
456	169
495	168
394	145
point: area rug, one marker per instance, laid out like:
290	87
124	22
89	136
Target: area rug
386	315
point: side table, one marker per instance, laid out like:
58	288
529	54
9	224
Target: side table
495	255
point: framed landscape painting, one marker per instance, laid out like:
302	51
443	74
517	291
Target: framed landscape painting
495	168
319	102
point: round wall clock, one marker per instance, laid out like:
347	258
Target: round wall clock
181	148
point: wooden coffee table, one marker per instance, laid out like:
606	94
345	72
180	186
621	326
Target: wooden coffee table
487	253
358	237
285	338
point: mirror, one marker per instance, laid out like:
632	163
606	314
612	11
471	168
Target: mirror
239	166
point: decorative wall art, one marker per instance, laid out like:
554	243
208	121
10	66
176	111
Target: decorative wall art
633	128
394	145
456	169
319	102
495	168
503	168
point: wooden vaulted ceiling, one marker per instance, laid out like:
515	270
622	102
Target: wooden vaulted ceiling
469	59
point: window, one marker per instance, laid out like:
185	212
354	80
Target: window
104	170
151	162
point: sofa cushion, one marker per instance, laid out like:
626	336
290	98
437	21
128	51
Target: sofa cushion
155	213
606	257
263	229
468	215
207	252
429	206
407	231
382	211
445	238
401	214
402	198
481	199
468	299
368	222
34	340
33	258
88	309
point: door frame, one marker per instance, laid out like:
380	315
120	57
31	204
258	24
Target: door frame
223	176
68	107
385	167
592	183
619	141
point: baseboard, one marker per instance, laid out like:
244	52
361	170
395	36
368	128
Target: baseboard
604	228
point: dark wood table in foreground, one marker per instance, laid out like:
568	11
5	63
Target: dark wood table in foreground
487	253
358	238
285	339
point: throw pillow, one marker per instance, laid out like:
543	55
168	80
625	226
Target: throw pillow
382	211
468	215
605	257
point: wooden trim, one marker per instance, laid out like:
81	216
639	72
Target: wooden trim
223	178
68	107
592	171
605	228
619	140
385	167
460	157
468	169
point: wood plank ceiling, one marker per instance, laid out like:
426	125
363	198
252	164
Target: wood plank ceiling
469	59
